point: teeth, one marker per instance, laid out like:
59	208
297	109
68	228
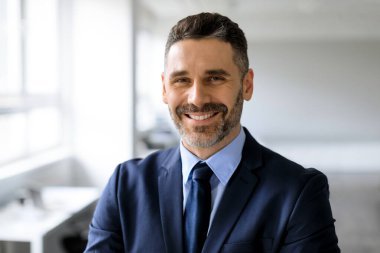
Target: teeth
201	117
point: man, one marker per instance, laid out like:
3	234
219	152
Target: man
246	197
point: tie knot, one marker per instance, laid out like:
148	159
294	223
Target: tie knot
201	171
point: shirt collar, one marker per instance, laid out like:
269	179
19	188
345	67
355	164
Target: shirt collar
223	163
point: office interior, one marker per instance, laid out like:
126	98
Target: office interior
80	92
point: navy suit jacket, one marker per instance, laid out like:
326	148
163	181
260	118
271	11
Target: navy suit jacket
270	205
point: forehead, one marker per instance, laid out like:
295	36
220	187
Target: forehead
208	53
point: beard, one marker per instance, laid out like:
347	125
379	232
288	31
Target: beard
208	136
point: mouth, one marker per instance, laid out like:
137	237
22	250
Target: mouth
201	117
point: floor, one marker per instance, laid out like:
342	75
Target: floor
355	200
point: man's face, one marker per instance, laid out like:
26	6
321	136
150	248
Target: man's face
204	91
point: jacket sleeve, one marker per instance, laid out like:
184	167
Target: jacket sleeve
311	225
105	228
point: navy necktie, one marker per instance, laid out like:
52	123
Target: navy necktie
198	208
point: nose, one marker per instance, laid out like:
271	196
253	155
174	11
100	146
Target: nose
198	94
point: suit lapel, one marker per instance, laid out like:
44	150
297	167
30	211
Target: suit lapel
171	202
235	197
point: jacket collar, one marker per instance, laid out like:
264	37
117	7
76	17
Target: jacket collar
242	184
170	201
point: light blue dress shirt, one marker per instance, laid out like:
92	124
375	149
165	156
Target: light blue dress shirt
223	164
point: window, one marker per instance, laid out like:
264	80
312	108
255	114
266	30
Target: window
30	94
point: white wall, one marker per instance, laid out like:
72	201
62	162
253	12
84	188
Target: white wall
318	101
102	43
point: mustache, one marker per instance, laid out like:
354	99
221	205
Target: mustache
208	107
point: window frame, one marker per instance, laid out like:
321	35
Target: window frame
24	102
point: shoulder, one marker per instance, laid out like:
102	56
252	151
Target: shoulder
288	178
151	164
288	171
276	170
138	175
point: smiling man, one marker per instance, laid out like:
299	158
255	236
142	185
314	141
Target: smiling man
204	89
219	190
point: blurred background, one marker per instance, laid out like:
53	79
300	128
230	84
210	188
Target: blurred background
80	92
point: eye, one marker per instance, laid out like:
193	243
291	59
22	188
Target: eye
180	81
216	79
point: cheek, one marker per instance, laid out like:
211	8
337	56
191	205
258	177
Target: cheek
172	100
175	96
228	99
232	101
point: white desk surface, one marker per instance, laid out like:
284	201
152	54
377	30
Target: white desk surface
27	223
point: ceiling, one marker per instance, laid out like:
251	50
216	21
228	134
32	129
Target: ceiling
275	19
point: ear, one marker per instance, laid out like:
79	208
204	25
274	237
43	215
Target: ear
164	96
248	85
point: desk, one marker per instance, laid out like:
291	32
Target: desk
28	224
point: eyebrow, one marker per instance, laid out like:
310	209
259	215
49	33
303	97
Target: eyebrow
178	73
218	72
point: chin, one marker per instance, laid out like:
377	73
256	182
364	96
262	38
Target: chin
201	140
